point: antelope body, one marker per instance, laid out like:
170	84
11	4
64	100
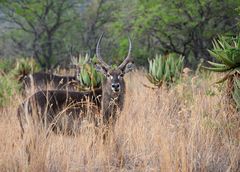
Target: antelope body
43	81
50	103
113	85
50	106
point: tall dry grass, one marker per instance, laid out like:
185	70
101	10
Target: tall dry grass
185	128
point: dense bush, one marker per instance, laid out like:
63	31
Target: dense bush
6	65
25	66
89	78
226	51
165	69
12	71
8	87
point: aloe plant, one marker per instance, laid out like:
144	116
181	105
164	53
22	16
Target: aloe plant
165	69
226	51
80	60
89	78
25	66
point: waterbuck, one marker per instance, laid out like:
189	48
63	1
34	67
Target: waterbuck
113	85
52	107
43	81
49	104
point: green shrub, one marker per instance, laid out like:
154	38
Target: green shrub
6	65
226	51
89	78
8	87
165	69
25	66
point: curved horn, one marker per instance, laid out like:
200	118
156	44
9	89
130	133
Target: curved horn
100	60
128	58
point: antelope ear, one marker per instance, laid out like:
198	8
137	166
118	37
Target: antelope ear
128	68
101	69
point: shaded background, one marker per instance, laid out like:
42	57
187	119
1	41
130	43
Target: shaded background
53	30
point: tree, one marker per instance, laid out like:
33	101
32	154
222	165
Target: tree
185	27
95	17
49	29
42	21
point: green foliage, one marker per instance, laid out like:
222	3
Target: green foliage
8	87
25	66
88	77
13	71
184	27
80	61
42	27
165	69
227	52
6	65
52	29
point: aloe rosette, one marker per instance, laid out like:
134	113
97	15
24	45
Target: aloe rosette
165	69
88	76
226	51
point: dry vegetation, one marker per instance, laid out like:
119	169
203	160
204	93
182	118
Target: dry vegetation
185	128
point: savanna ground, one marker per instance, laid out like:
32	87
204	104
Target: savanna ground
185	128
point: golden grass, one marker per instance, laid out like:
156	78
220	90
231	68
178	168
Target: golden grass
183	129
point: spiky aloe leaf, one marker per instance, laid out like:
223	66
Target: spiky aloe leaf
150	65
218	65
165	69
227	53
222	57
167	75
25	66
235	54
214	69
88	77
85	78
96	80
154	80
154	69
172	65
224	44
80	60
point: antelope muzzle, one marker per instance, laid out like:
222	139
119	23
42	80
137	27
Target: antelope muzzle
115	87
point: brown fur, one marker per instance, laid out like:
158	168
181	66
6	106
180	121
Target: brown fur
50	106
112	101
42	81
50	103
113	85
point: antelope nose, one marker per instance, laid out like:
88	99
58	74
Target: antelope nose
115	85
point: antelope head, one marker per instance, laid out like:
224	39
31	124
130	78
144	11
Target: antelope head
114	77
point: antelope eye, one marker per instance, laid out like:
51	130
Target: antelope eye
109	76
120	76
